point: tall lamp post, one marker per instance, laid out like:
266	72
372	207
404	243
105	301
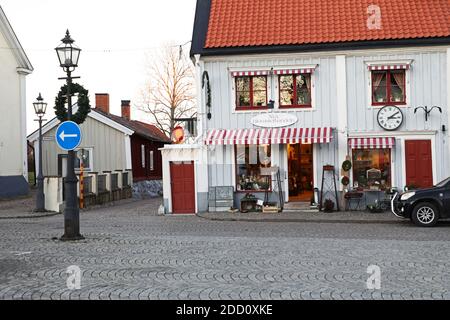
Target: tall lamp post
39	108
68	56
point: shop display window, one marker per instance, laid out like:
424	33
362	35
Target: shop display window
372	169
250	159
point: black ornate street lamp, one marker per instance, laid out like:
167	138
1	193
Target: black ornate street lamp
68	56
39	108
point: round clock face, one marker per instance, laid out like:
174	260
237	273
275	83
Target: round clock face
390	118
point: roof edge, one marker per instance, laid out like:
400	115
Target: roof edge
93	114
332	46
5	27
201	23
156	138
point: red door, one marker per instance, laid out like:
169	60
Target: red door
183	187
419	165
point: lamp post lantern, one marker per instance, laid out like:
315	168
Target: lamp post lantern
68	56
39	108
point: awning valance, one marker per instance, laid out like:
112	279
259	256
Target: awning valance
301	135
371	143
268	136
250	73
389	67
293	71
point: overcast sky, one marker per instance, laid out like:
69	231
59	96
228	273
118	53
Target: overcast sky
114	37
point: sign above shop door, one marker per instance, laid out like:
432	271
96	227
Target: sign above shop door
274	120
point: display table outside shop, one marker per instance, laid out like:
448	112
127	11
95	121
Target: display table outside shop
353	197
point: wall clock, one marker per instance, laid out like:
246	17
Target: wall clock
390	118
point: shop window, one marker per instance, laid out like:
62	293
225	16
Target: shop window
295	91
251	92
250	159
388	87
372	169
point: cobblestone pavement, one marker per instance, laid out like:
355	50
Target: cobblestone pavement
305	216
131	253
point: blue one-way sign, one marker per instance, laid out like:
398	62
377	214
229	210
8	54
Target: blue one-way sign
68	135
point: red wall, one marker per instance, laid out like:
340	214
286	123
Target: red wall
140	173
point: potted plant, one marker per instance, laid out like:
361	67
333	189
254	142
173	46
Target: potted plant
374	208
328	205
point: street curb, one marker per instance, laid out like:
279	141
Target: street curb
31	216
229	219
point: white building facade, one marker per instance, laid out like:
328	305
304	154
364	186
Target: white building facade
302	109
14	67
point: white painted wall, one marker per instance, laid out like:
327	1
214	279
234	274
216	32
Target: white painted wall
341	112
177	153
447	87
13	150
341	99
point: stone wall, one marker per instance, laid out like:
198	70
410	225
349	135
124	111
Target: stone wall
147	189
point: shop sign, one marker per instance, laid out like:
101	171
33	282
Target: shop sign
274	120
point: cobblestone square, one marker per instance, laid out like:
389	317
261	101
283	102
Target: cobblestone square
131	253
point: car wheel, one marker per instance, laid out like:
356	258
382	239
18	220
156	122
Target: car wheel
425	214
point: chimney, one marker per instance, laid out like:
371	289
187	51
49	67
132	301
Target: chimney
102	102
126	113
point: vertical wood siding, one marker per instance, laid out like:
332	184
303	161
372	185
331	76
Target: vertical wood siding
426	85
108	148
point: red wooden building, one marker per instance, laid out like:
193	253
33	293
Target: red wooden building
145	142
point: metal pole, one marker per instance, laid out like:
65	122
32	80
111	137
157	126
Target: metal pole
40	197
72	211
82	181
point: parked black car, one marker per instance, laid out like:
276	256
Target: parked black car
424	206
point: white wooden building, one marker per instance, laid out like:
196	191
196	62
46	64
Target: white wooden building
14	67
318	92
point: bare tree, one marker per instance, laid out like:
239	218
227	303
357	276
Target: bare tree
169	93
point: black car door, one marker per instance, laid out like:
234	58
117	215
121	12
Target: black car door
446	200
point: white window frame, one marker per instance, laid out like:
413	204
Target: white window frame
276	95
386	63
272	88
392	165
232	81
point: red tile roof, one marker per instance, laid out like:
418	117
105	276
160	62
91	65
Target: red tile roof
146	130
241	23
151	129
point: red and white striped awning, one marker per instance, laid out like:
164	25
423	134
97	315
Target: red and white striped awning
389	67
371	143
293	71
301	135
249	73
268	136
